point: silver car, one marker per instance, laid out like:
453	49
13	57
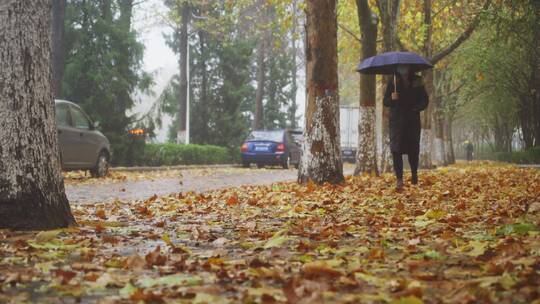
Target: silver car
82	147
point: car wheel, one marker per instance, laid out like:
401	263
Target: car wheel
260	166
286	163
102	166
245	164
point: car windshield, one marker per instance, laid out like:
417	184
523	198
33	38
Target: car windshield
276	136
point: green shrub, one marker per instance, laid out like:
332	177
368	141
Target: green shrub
501	156
173	154
530	156
126	150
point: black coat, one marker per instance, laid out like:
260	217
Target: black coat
405	114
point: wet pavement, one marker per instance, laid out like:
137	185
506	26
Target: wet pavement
88	190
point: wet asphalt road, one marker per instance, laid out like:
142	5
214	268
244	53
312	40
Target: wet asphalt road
190	180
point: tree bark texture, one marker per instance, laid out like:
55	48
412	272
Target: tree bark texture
449	157
366	156
439	147
58	52
31	187
321	160
182	114
388	13
432	146
426	135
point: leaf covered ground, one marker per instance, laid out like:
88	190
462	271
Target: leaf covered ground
83	177
466	234
119	176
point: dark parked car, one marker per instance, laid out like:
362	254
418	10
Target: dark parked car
276	147
82	147
348	154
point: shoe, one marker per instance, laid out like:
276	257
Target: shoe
414	179
399	184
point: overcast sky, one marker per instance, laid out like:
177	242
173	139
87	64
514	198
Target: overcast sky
161	61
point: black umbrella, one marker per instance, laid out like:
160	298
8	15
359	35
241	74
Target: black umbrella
386	63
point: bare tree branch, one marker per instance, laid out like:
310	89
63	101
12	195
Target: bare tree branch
447	4
454	91
348	31
400	44
464	36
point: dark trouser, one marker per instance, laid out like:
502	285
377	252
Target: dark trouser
398	164
469	155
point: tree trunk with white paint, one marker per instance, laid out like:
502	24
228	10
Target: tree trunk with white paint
31	187
385	161
366	156
426	139
321	160
426	135
440	88
439	148
438	155
448	144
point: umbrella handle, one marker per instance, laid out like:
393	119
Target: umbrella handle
395	85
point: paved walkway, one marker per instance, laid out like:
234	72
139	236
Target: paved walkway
190	180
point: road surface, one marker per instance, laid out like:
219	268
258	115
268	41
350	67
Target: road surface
142	185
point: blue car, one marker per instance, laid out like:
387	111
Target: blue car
276	147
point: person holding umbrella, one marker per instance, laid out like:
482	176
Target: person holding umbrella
406	97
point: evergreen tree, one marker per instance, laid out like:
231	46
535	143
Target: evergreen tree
224	72
279	91
103	66
219	82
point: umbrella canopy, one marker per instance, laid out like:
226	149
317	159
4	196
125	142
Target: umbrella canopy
386	63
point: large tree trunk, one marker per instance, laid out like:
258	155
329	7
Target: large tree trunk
441	86
58	52
439	147
426	135
182	114
448	142
31	186
388	12
321	160
366	157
